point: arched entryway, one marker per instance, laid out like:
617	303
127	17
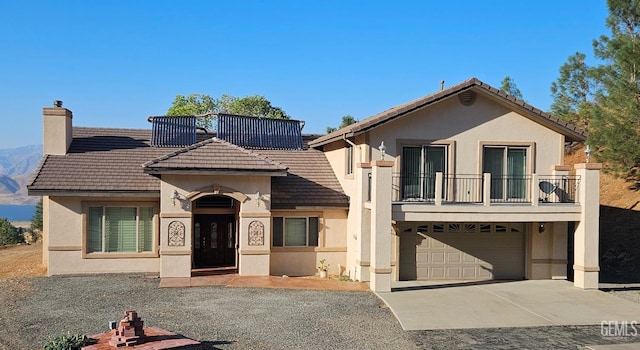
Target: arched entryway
215	234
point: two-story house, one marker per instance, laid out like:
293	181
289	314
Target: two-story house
464	184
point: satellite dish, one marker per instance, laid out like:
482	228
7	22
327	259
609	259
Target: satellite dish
547	187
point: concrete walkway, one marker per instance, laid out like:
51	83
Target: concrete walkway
428	306
234	280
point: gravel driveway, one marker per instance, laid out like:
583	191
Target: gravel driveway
34	309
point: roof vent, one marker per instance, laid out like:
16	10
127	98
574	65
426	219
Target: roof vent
173	131
467	97
260	133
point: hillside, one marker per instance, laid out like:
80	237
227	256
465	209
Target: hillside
17	166
619	225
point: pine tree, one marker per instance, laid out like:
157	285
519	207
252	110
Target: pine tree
509	87
615	128
573	92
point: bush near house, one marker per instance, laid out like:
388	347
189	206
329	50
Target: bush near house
10	234
67	342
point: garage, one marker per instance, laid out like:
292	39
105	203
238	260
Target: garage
462	251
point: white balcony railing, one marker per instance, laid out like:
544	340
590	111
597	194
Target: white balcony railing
442	188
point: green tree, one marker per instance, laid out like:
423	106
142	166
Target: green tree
202	105
36	223
194	104
615	127
36	219
255	106
346	121
9	234
509	86
573	92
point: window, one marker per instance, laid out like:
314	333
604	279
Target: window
419	167
349	165
120	229
508	169
295	232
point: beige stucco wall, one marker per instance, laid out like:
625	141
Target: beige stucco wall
252	260
332	245
56	130
547	251
467	127
64	244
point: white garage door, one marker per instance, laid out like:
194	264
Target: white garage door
462	251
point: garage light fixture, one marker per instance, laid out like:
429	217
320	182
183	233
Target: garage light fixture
541	227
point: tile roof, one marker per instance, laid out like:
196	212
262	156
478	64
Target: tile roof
100	160
105	160
569	130
310	182
212	155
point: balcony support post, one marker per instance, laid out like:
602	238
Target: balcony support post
382	239
534	190
586	267
486	189
438	189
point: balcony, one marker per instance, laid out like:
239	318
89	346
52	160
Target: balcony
441	189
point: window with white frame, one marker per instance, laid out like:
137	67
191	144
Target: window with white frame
508	168
295	231
120	229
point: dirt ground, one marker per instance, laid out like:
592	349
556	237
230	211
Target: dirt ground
22	261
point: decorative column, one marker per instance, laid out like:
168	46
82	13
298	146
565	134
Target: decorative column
381	229
362	222
586	267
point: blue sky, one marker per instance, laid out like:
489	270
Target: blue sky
114	63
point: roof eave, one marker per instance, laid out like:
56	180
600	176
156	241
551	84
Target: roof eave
93	193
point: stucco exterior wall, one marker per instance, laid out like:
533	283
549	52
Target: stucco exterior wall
252	260
547	251
65	247
467	127
332	246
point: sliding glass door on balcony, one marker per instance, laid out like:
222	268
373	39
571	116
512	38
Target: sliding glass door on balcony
419	167
508	169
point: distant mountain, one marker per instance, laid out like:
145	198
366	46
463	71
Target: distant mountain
17	166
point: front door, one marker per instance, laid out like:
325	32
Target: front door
214	240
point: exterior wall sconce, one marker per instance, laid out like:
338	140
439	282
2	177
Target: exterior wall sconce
259	198
175	195
541	227
587	153
382	149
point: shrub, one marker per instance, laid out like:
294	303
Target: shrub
10	234
67	342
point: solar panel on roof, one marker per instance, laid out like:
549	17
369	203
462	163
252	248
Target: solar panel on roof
260	133
173	131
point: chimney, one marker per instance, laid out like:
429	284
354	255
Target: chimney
57	129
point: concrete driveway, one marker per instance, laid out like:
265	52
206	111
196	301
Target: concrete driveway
427	306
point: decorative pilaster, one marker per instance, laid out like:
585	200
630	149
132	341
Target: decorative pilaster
381	234
586	261
362	220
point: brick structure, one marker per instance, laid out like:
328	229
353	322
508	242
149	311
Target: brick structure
131	334
130	330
